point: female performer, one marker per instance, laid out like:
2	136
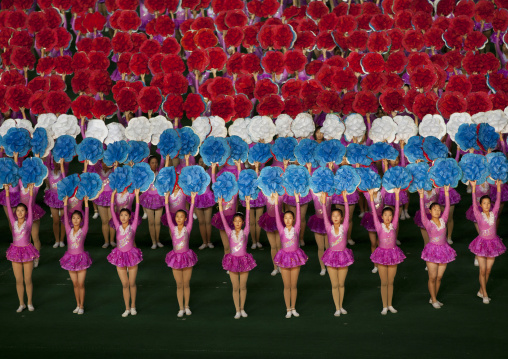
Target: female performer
268	223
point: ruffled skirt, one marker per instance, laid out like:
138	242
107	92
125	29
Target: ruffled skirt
217	221
338	259
316	224
387	257
454	197
390	198
14	197
182	259
130	258
104	199
151	201
37	212
352	198
290	200
487	247
438	253
470	213
290	259
238	264
368	222
204	200
75	262
256	203
22	254
504	193
267	223
418	219
51	200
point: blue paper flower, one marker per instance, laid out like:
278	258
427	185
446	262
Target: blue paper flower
467	137
487	136
346	179
239	150
322	180
8	172
190	142
369	179
215	150
142	177
248	184
138	151
397	177
193	179
165	181
414	149
120	179
65	147
39	141
357	154
169	143
296	180
421	179
498	167
90	149
270	181
260	152
17	140
90	185
305	152
445	172
116	152
381	150
330	151
67	187
474	168
225	187
433	148
33	171
284	149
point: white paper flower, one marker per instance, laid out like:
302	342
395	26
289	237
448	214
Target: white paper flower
97	129
355	126
51	144
383	130
283	125
18	123
10	123
262	128
303	125
480	117
116	132
457	119
27	125
332	128
46	120
139	129
406	128
159	125
218	127
201	125
65	125
432	125
240	128
498	120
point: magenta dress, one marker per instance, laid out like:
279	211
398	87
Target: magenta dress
104	198
316	222
181	256
368	219
177	202
437	250
387	253
238	260
124	200
454	197
428	199
151	199
481	190
24	197
125	254
290	255
504	192
76	258
21	250
337	255
51	194
267	220
13	196
487	244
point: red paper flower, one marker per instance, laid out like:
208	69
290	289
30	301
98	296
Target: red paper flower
474	41
21	38
266	36
497	82
234	65
378	42
85	44
22	58
123	63
452	39
462	25
45	39
224	107
326	75
305	40
433	38
63	65
403	19
363	22
372	62
234	18
291	88
39	83
113	19
173	107
454	59
413	41
94	22
472	63
186	26
176	83
149	99
121	42
203	88
293	106
416	59
103	109
329	101
346	24
294	61
155	6
392	100
365	102
139	64
205	38
36	22
344	80
243	106
190	4
442	23
56	83
271	106
220	86
396	62
374	82
217	57
465	8
57	102
100	82
328	22
423	78
80	61
234	37
451	102
82	106
422	21
396	37
313	67
425	103
127	4
264	88
80	80
3	105
478	83
250	38
36	102
170	46
129	20
478	102
165	26
347	102
53	18
354	60
381	22
499	23
16	19
98	61
194	105
393	81
317	9
293	12
490	62
102	44
445	7
273	62
150	47
127	100
154	64
245	84
357	40
499	100
203	23
484	11
198	61
409	99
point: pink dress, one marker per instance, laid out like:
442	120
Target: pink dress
337	255
267	220
487	244
454	197
205	200
437	250
124	200
125	254
316	223
51	194
229	209
428	199
104	198
13	196
387	253
238	260
481	190
177	202
290	255
181	256
151	199
24	197
21	250
76	258
368	220
504	192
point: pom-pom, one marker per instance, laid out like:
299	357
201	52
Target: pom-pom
142	177
451	102
346	179
225	187
358	155
498	167
240	128
445	172
41	143
17	140
369	179
487	137
90	185
33	171
165	181
381	150
97	129
283	126
331	151
420	174
116	132
270	181
296	180
303	125
322	180
432	125
406	128
215	150
474	168
190	142
433	148
159	124
8	172
467	137
248	184
65	125
414	149
283	148
262	128
383	130
138	151
456	120
67	187
260	152
193	179
478	102
355	127
90	149
239	150
65	147
139	129
305	152
202	127
116	152
169	143
332	128
397	177
120	179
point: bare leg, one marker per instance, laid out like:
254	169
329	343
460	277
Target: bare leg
425	236
259	212
392	271
243	289
477	229
440	272
35	234
151	224
334	279
295	272
178	274
432	269
225	241
383	275
122	273
157	219
58	226
274	240
208	224
253	224
105	216
373	242
27	271
202	225
320	240
286	279
17	268
342	273
187	273
75	285
133	272
235	283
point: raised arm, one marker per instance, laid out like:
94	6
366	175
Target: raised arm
190	218
298	220
498	198
246	231
136	212
8	204
423	215
85	220
30	217
223	218
345	222
395	221
325	217
475	203
116	222
278	221
373	211
446	212
66	218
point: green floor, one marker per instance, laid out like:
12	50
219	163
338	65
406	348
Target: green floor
464	327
